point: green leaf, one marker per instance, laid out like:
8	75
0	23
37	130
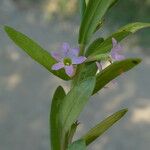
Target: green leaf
114	70
99	25
35	51
134	27
71	132
54	119
82	7
100	57
84	71
122	33
77	145
94	45
96	9
113	3
74	103
99	129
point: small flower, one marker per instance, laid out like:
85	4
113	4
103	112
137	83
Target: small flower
114	56
115	51
66	58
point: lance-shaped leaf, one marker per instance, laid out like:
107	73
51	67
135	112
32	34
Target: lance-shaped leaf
122	33
54	121
93	46
71	133
77	145
113	3
103	126
95	10
84	71
35	51
114	70
100	57
74	103
82	7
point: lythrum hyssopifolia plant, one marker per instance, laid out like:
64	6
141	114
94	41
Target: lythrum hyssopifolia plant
83	67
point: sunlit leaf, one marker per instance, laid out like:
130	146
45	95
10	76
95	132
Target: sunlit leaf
34	50
112	71
103	126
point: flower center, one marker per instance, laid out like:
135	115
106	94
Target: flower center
67	61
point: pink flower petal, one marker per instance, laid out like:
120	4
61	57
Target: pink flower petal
65	48
56	55
78	60
119	57
116	46
58	66
69	70
75	51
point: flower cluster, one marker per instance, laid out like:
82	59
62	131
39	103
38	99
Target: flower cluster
68	57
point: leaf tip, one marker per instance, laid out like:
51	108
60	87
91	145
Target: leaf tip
124	111
6	27
136	61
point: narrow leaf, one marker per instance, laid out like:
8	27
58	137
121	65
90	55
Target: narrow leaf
99	129
35	51
71	133
77	145
99	25
74	103
84	71
112	71
93	46
54	121
96	9
134	27
122	33
100	57
113	3
82	7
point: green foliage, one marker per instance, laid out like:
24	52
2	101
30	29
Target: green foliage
112	71
99	57
71	132
54	121
96	9
103	126
84	71
93	46
82	7
74	102
66	108
113	3
35	51
77	145
123	32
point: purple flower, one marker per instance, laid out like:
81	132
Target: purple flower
115	51
66	58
